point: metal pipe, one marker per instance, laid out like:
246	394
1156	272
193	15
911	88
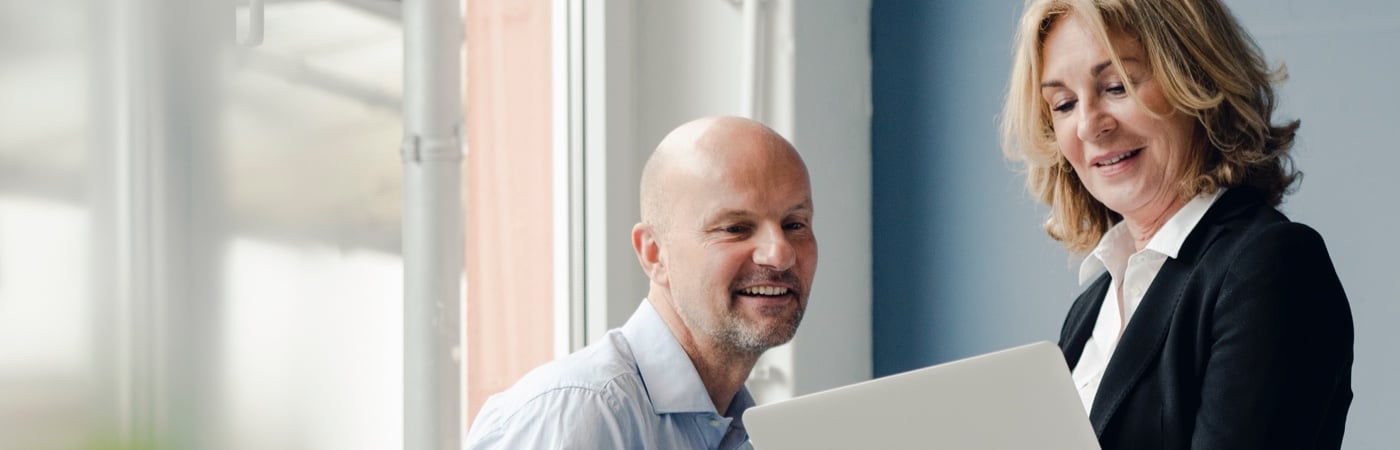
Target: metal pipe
254	36
751	66
432	224
567	71
123	212
156	323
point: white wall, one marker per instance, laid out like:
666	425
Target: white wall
830	105
1342	58
655	65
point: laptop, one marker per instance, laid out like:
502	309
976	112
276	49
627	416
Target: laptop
1020	398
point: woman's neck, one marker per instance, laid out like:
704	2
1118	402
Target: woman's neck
1144	225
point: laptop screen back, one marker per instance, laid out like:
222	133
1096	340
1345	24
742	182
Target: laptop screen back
1019	398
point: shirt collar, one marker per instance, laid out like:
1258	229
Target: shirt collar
1116	244
672	383
1173	234
1113	242
742	402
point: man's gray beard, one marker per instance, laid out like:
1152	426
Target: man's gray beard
750	339
737	337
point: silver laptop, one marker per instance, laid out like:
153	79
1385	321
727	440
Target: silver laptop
1021	398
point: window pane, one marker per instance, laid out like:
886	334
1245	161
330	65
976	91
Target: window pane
510	310
45	340
311	281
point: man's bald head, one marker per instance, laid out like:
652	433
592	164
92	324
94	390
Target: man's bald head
726	236
708	146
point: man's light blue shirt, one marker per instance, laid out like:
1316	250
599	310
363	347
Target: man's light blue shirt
633	389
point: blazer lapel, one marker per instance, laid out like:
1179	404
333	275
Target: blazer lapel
1079	324
1142	340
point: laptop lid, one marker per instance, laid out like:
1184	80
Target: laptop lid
1019	398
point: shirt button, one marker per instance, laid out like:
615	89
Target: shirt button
714	423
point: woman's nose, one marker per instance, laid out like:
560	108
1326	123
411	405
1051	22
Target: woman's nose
1094	122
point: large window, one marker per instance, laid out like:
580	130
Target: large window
200	241
308	306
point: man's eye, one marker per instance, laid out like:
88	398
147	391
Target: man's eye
794	226
735	229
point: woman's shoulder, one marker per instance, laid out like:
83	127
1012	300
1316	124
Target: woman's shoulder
1263	247
1252	226
1266	232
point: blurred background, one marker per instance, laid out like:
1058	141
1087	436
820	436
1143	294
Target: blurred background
195	235
200	241
200	224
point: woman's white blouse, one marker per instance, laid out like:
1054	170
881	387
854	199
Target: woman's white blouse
1132	273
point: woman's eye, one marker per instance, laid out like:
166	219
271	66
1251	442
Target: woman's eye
1063	107
1116	89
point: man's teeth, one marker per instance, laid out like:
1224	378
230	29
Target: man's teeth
765	290
1119	158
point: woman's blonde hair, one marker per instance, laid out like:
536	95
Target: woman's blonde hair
1207	66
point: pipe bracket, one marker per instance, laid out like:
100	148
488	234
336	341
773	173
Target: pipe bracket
417	149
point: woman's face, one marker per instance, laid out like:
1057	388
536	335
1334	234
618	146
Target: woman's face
1128	159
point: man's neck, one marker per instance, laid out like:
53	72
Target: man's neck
723	373
722	370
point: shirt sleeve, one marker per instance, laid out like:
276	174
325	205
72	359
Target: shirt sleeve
561	418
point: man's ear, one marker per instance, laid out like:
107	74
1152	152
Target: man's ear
648	249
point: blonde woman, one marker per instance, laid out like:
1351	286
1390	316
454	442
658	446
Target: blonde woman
1209	320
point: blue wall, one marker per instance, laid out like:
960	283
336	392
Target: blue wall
961	265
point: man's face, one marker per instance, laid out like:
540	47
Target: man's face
740	250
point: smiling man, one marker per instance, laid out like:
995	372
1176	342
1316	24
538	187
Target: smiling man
726	239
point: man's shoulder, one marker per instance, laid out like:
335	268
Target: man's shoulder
599	383
597	370
592	368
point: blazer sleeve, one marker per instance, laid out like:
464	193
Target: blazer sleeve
1278	374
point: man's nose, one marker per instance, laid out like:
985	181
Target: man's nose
774	250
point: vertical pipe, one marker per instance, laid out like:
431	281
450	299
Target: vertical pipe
567	73
123	212
432	224
750	65
155	267
254	35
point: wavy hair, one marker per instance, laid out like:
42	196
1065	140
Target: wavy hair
1208	68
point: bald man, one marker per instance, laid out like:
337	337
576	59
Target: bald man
726	239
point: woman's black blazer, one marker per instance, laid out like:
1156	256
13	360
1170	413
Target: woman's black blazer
1244	341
